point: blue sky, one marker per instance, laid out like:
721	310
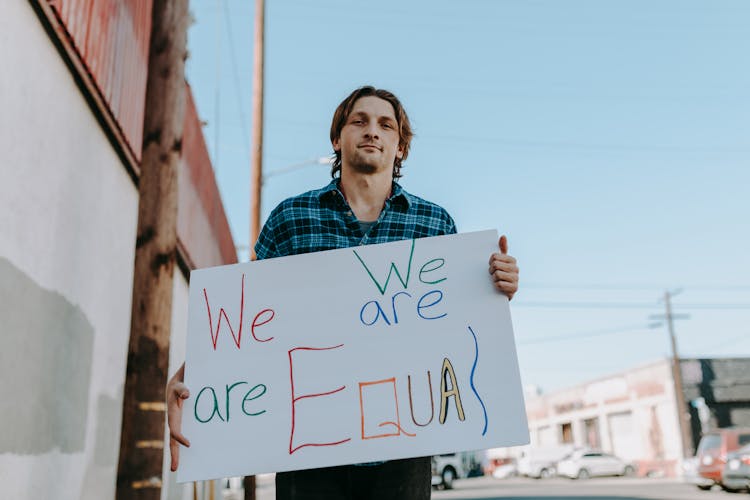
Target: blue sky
609	140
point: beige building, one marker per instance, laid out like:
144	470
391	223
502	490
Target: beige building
631	414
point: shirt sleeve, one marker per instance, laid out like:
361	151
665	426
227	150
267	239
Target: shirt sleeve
267	246
450	224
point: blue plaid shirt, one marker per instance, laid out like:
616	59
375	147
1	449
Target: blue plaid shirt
322	220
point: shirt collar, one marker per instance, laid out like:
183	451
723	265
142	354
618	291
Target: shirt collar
399	196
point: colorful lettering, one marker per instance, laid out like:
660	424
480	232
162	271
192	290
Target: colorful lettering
471	378
446	393
376	312
248	398
393	269
393	304
222	313
434	302
432	401
435	268
214	412
257	323
296	398
396	424
379	313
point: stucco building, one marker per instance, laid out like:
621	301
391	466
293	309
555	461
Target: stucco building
634	414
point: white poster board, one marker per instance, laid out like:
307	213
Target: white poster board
369	353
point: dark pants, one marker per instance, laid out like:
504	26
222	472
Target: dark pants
407	479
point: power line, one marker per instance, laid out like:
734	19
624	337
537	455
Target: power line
625	305
236	78
573	146
595	333
217	89
614	286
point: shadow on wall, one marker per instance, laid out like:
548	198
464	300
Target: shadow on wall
45	367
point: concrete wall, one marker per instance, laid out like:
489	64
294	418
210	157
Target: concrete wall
68	214
68	217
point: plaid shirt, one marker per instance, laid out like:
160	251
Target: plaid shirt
322	220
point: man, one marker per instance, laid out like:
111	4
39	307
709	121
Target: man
362	205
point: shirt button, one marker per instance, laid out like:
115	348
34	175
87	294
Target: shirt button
349	213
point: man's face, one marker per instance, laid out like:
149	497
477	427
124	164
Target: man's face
369	139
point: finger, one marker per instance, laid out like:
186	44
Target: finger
505	261
507	287
181	391
177	436
499	257
503	244
174	453
511	269
505	277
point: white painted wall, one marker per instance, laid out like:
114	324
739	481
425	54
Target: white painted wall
68	218
68	214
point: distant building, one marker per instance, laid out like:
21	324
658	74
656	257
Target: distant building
634	414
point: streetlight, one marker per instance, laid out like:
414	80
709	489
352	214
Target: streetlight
255	221
323	160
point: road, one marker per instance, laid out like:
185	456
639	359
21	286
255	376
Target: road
486	488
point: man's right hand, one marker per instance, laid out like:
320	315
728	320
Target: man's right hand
177	393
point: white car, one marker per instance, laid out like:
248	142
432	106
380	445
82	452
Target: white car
583	464
447	468
539	462
690	474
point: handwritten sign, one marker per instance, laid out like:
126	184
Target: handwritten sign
369	353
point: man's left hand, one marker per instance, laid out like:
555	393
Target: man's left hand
504	270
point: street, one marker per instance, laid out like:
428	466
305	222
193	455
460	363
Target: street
487	488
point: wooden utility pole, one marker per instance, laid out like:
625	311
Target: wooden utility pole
256	175
682	410
139	470
256	158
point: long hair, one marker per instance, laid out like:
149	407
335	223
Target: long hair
342	115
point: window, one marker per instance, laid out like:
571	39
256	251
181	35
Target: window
591	433
566	433
744	439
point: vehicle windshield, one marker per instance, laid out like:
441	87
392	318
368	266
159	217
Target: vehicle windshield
709	442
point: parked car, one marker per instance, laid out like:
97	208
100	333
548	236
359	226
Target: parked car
736	476
583	464
505	468
539	462
447	468
713	449
690	473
